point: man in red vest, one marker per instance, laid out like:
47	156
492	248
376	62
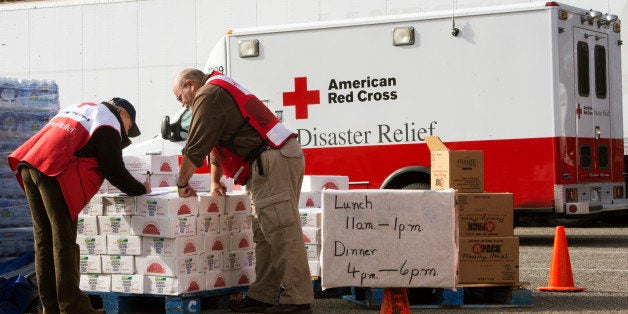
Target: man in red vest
60	169
248	143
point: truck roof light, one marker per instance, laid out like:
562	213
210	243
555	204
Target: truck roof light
590	16
551	4
249	48
403	36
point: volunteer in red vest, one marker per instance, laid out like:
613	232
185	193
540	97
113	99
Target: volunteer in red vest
60	169
249	144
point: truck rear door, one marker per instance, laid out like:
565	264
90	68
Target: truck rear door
593	105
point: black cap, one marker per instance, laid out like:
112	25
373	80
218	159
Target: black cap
124	104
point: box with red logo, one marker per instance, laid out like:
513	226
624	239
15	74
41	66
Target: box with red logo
485	214
167	265
211	204
244	222
182	246
162	180
124	245
166	205
240	277
127	283
237	203
217	242
168	227
461	170
175	285
155	164
319	183
310	199
488	260
215	279
242	241
311	235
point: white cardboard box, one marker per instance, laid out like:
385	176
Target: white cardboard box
167	265
217	242
315	268
313	252
166	205
117	205
90	264
92	245
241	277
87	225
175	286
124	245
237	203
183	246
311	217
95	282
170	227
127	283
120	225
210	261
208	224
211	204
155	164
118	264
228	224
310	199
215	279
94	207
412	233
242	241
311	235
322	182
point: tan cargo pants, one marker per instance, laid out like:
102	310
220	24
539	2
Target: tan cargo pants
281	259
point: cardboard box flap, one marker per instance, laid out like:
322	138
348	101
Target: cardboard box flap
435	144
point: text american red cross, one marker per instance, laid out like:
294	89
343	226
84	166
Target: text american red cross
301	97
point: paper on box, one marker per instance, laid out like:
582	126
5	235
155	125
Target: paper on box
124	245
171	227
116	205
155	164
118	264
127	283
182	246
201	182
411	233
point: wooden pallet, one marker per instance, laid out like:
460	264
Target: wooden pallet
464	296
115	302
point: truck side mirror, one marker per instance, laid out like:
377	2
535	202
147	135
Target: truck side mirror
166	129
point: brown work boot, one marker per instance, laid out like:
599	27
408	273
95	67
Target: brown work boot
290	308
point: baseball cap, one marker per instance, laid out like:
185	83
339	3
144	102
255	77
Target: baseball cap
124	104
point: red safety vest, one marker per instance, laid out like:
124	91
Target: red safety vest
267	125
52	150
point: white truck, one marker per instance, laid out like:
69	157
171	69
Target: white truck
537	87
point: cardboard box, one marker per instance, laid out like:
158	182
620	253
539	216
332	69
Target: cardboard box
485	214
155	164
95	282
228	224
118	264
124	245
120	225
215	279
217	242
310	199
313	252
240	277
170	227
211	204
175	286
237	204
247	258
127	283
183	246
488	260
166	205
311	235
315	268
210	261
90	264
86	225
208	224
311	217
201	182
94	207
167	265
319	183
242	241
462	170
92	245
117	205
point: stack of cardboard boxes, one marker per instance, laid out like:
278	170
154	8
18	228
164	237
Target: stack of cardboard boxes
164	244
488	251
311	214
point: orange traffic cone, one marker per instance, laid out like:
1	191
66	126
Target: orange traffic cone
561	277
395	301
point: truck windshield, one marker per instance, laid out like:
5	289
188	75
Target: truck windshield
186	119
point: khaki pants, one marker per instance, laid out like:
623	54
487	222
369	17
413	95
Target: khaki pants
281	259
56	251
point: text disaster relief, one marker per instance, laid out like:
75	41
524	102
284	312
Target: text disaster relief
351	91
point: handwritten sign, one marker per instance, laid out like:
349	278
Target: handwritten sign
389	238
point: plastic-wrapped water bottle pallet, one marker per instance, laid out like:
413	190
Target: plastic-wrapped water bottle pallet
115	302
464	296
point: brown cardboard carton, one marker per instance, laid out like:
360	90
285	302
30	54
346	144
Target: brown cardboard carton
485	214
488	260
462	170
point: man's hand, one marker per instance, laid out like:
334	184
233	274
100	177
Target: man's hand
186	191
219	189
147	186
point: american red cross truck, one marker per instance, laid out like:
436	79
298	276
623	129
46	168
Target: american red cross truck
536	87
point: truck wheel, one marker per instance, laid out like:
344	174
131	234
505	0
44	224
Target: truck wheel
409	181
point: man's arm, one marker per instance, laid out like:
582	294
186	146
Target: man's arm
217	188
185	173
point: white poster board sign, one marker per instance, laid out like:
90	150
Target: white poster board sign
389	238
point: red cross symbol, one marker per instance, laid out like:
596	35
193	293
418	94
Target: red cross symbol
578	111
301	97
